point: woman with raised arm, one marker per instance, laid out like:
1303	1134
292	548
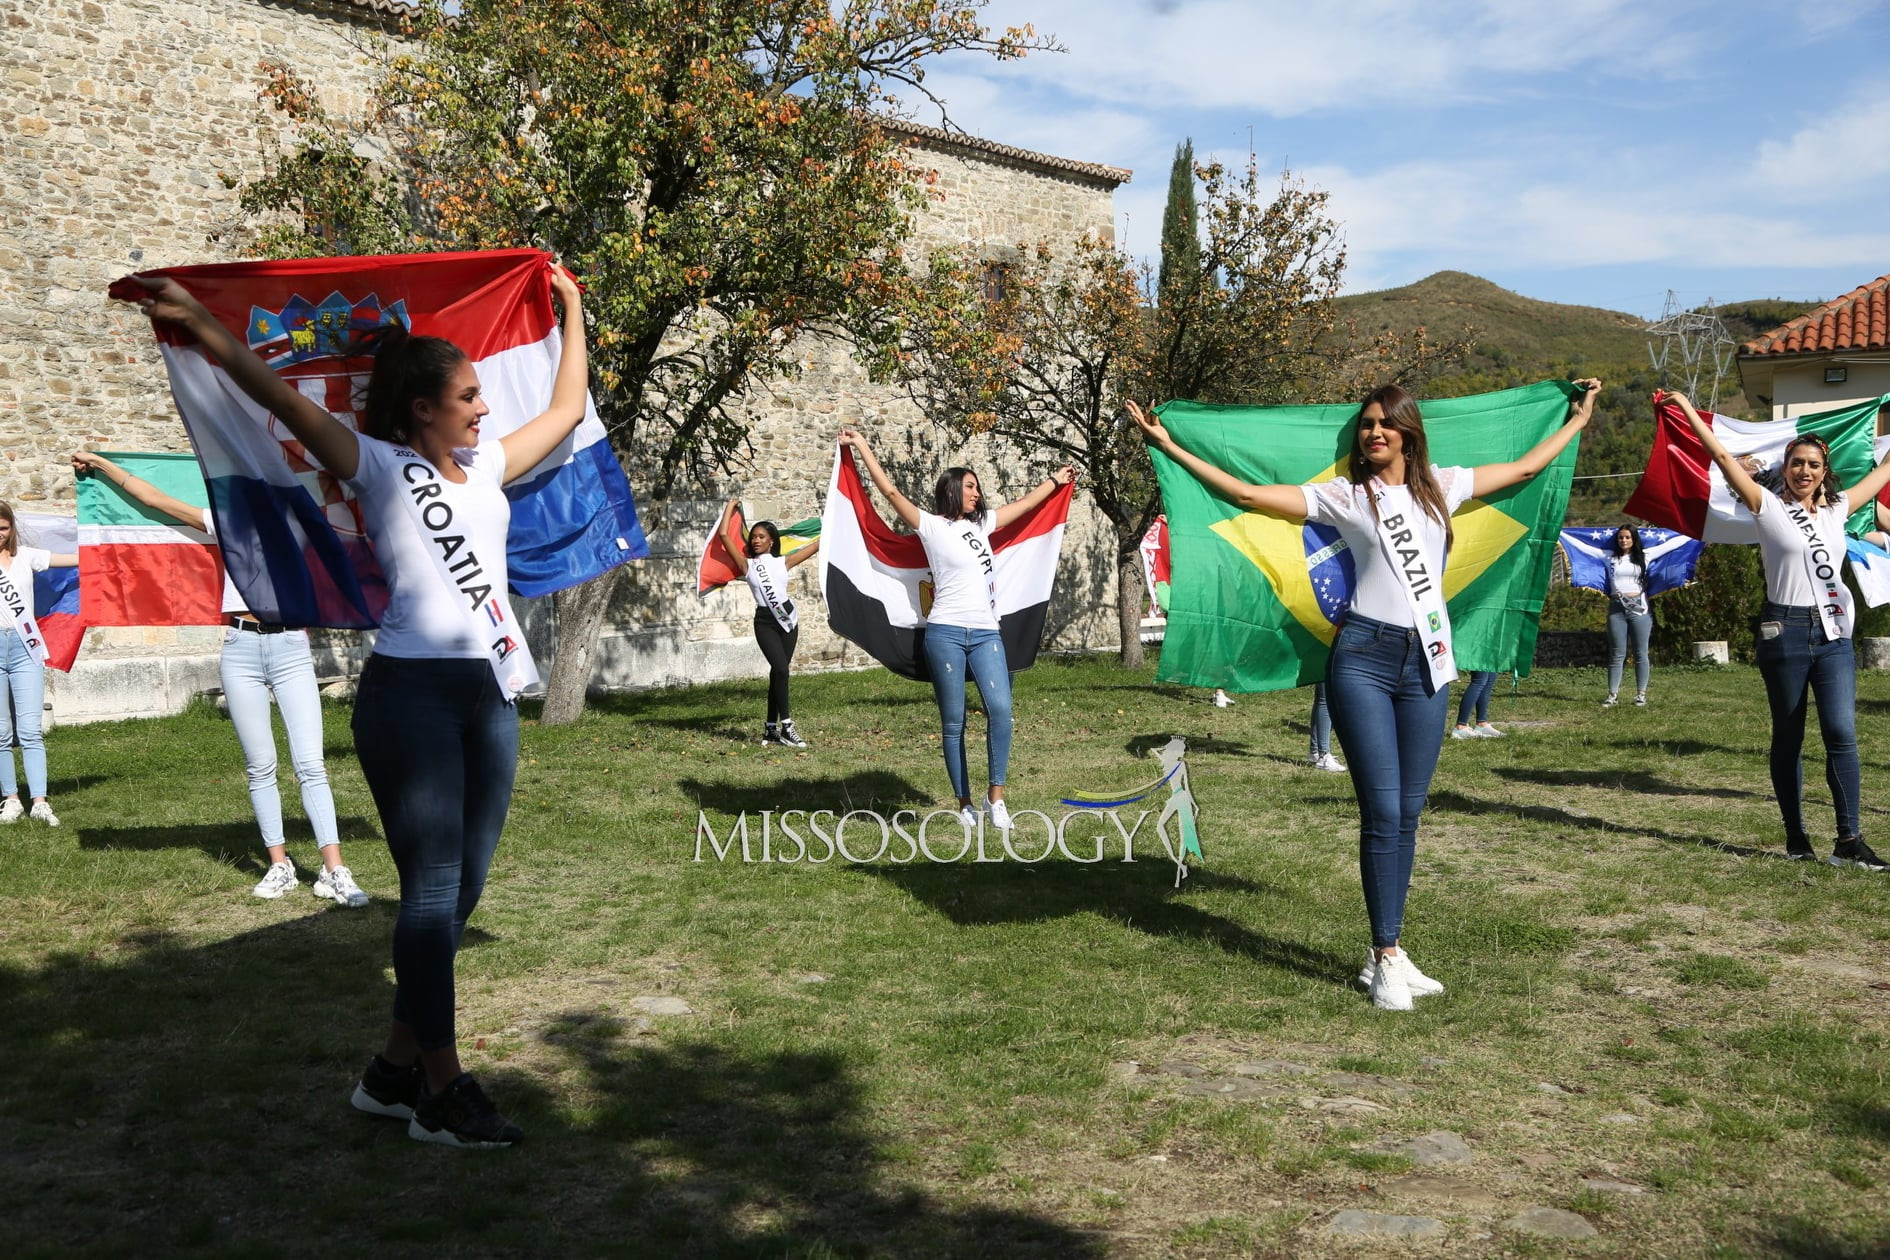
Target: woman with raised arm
1629	616
23	663
435	714
260	662
758	559
1388	681
1805	627
961	631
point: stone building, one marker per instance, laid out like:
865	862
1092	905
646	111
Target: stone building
120	121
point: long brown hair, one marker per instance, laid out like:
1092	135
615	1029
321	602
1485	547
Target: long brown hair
1828	490
13	532
1402	417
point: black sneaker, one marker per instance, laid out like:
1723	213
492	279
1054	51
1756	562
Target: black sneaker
462	1116
788	737
1799	849
1852	851
386	1090
770	735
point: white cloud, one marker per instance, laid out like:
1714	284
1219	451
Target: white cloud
1828	159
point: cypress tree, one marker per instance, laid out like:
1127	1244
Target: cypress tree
1181	243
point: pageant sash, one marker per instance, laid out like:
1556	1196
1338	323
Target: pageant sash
19	621
448	546
981	548
1423	588
767	578
1821	568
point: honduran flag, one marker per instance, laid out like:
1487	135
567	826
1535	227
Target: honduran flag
1671	557
1684	491
292	535
878	586
138	567
56	591
716	568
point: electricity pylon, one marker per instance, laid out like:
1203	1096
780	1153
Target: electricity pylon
1685	343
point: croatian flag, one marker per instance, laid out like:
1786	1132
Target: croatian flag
1684	491
56	591
878	585
292	534
1671	557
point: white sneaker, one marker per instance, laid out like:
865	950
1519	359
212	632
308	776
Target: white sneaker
1486	731
1420	984
279	878
42	812
1464	732
1641	700
1611	701
969	816
1000	816
1390	987
338	886
1220	699
12	811
1327	762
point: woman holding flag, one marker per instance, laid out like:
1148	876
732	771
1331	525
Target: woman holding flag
1391	665
758	559
1804	641
961	630
1628	613
435	717
23	661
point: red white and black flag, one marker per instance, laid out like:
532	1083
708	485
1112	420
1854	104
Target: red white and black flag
878	586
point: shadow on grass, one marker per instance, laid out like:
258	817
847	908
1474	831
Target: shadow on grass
1143	745
1457	802
1622	780
237	843
1143	899
1802	1238
879	790
1684	747
206	1077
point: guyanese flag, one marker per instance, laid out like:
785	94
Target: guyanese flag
1256	599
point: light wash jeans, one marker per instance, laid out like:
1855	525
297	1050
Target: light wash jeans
1321	721
26	686
957	655
1622	625
1392	728
254	667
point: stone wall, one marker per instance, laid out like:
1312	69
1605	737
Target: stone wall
118	123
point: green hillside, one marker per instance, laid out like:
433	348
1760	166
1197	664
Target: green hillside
1509	329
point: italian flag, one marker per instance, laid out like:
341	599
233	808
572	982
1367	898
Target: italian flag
1683	490
878	586
138	567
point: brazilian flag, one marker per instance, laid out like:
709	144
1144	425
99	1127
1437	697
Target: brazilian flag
1257	598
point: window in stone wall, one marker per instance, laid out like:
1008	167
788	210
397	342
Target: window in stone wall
997	281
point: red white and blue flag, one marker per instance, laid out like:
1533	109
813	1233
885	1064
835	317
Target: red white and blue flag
292	535
56	591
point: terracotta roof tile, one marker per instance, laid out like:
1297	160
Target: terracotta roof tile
1860	320
1028	157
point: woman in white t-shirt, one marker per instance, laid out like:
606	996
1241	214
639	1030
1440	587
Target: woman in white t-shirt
1629	616
1388	681
435	719
961	640
261	662
23	661
758	560
1804	642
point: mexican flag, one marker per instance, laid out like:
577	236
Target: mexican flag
1683	490
1256	599
138	567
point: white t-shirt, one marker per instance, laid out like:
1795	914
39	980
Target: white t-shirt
426	616
233	601
20	571
1625	576
1782	548
1379	593
964	572
770	573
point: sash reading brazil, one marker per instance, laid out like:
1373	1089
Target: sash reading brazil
1256	598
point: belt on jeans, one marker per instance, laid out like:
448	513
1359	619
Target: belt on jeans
254	627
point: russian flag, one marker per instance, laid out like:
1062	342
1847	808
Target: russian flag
1671	557
292	535
1683	490
56	591
878	586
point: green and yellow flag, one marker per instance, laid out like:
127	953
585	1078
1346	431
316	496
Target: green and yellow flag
1256	598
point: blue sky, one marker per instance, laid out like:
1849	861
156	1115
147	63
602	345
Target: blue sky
1590	151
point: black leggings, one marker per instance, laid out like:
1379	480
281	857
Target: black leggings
777	645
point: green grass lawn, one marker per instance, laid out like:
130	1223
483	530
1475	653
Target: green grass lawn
1052	1060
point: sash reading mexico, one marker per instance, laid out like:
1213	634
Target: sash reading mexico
1255	599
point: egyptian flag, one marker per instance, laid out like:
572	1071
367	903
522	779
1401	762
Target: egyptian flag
878	585
1682	489
716	568
292	535
1671	557
56	591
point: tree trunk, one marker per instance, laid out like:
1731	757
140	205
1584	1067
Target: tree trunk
580	610
1129	587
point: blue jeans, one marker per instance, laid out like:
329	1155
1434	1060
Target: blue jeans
1797	659
1621	625
438	746
255	667
1391	727
26	686
1476	697
1321	721
956	654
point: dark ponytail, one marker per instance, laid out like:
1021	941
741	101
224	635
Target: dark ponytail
406	369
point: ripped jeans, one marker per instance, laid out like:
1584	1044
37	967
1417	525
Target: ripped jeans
956	655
